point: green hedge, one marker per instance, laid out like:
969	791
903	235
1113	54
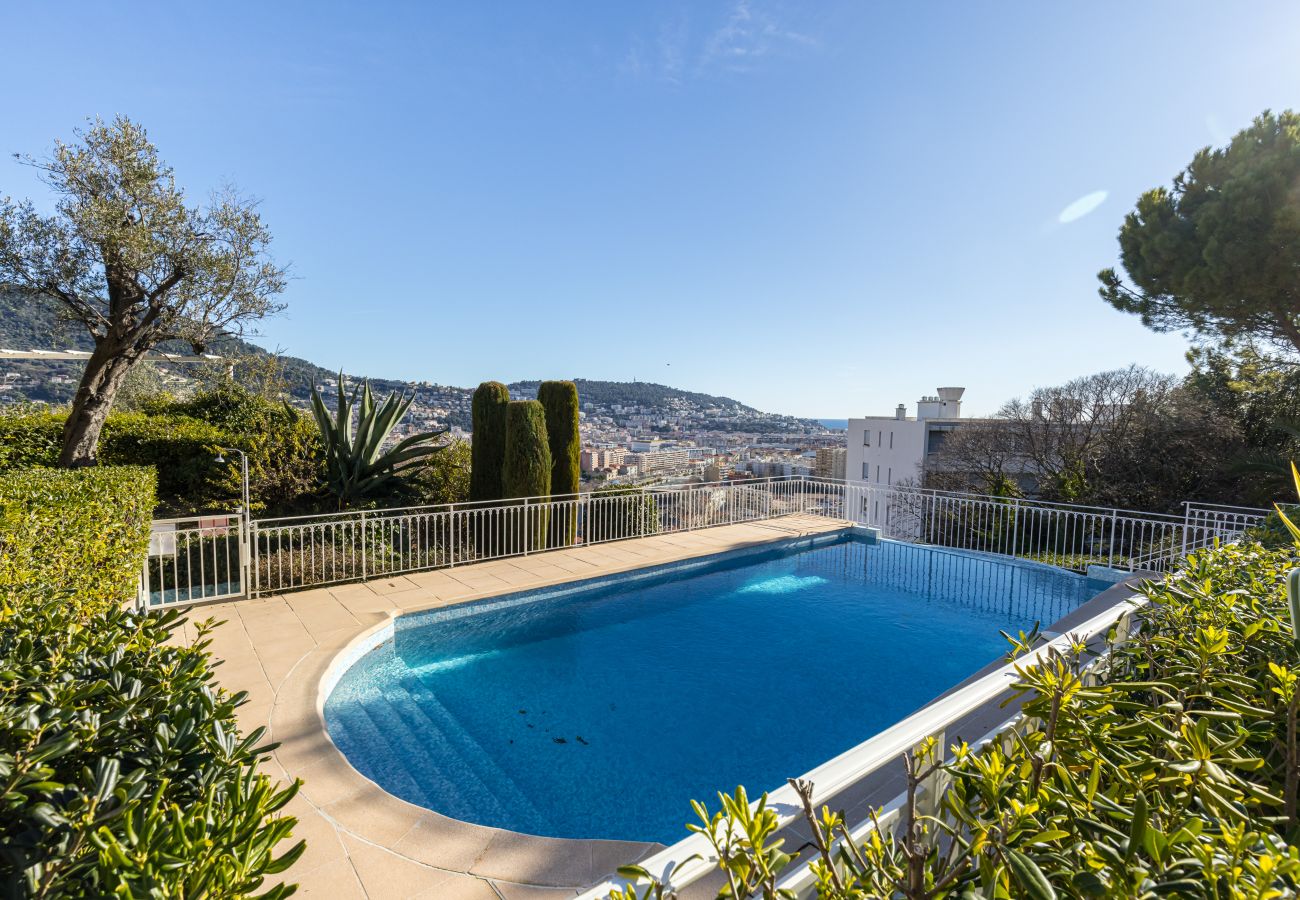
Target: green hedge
1175	773
123	769
81	530
182	450
181	440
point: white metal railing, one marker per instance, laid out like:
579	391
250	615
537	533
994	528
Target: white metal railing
1072	536
295	552
693	858
195	559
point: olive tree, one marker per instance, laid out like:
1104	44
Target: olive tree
127	257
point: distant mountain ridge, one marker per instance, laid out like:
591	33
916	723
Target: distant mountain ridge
29	325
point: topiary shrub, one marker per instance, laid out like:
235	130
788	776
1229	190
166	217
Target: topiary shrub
560	401
80	530
488	450
124	771
527	469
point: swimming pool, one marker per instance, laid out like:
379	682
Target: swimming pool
598	709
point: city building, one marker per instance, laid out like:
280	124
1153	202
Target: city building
597	460
831	462
653	461
888	449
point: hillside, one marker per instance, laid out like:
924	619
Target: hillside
26	325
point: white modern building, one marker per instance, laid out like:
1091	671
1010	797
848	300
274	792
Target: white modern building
887	450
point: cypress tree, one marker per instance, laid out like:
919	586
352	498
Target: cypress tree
527	469
488	449
560	400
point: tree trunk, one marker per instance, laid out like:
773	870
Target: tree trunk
105	371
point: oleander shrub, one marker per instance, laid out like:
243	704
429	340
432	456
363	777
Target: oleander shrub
124	773
84	531
1170	769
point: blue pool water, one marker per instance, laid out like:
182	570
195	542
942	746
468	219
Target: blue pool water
599	710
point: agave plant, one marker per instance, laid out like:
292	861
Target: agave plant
357	464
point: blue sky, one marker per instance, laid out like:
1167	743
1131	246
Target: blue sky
820	209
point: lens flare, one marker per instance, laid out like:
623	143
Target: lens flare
1081	207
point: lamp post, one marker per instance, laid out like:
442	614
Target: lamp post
245	514
243	465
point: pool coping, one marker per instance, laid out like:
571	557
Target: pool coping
359	808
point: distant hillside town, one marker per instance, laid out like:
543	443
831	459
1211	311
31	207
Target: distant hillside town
632	432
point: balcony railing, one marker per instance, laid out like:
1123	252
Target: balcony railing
196	560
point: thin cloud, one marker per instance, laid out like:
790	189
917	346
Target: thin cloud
747	36
1081	207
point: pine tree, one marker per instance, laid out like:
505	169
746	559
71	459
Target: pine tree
487	453
527	470
560	401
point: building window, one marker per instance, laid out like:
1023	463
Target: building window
878	437
866	471
877	473
889	476
891	440
866	438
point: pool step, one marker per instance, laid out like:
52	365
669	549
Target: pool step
363	734
465	748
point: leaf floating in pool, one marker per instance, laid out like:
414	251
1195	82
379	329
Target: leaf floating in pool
559	740
582	742
523	712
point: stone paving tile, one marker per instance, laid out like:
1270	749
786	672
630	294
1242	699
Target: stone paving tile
336	880
386	874
460	887
321	614
439	841
391	584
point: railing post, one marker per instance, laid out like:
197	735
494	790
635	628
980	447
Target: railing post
142	597
363	545
1015	528
1187	523
254	570
528	527
1110	553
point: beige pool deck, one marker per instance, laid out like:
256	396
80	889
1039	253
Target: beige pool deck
361	840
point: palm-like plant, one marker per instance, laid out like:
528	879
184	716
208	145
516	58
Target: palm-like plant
357	465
